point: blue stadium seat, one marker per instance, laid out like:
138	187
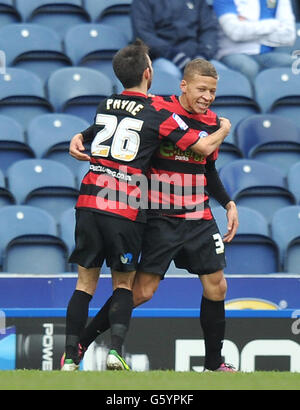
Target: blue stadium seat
13	146
49	137
59	15
286	232
94	45
43	183
34	48
82	169
257	185
67	230
6	197
22	95
112	12
252	251
293	181
78	91
29	241
234	99
8	13
165	84
277	92
269	138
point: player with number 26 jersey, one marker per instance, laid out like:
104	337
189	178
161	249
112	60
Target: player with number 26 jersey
128	129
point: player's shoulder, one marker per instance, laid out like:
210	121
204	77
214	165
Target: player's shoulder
167	103
211	116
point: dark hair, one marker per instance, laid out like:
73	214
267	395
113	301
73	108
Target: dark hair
130	62
199	66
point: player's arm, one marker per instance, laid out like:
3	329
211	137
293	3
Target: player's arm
211	142
77	148
215	188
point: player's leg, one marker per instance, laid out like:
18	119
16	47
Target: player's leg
144	287
77	315
87	255
203	254
119	315
212	319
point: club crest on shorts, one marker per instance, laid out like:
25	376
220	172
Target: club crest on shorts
126	258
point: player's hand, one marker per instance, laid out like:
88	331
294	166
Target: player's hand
225	124
76	148
232	222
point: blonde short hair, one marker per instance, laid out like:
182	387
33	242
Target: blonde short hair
199	66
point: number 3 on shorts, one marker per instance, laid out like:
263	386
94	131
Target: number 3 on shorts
219	243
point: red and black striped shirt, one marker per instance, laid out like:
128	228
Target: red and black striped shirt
178	181
128	129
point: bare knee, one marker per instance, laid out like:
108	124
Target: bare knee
87	279
142	295
214	286
144	287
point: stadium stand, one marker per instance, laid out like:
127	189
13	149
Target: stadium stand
6	197
78	91
59	15
33	47
82	169
257	185
8	13
43	183
293	181
13	146
234	98
49	137
22	95
277	92
165	84
286	232
111	12
41	108
93	46
269	138
29	241
252	251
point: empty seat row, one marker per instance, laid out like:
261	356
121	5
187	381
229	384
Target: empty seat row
40	49
60	15
53	186
46	184
78	90
32	241
260	186
259	247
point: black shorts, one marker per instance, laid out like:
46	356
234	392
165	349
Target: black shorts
100	237
194	245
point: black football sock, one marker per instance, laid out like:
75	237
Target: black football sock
212	320
119	317
77	315
99	324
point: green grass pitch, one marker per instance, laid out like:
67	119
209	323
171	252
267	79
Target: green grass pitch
151	380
